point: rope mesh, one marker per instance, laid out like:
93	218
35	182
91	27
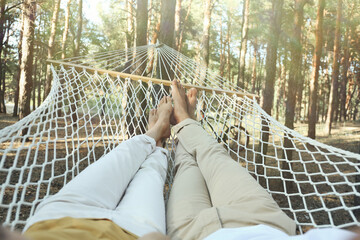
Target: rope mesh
86	115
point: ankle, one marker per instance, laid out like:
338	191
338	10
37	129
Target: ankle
153	134
183	117
159	143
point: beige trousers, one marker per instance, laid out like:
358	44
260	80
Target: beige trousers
212	191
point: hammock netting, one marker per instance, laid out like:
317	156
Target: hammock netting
98	101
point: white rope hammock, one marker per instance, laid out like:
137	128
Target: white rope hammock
99	100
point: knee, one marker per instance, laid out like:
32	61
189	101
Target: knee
184	162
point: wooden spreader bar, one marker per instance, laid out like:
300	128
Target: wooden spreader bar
148	79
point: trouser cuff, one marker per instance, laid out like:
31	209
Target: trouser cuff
178	127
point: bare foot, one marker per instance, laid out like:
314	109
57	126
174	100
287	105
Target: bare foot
163	112
180	102
192	100
153	117
161	129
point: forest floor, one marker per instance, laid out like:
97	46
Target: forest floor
345	135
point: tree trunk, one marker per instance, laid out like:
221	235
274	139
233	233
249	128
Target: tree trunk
315	73
177	24
270	66
336	107
166	33
253	74
130	26
321	101
299	93
141	24
141	39
243	47
79	29
40	82
222	50
228	40
74	104
205	42
205	51
167	22
17	89
327	65
357	102
37	62
261	75
182	28
29	9
151	15
344	79
153	41
33	95
350	93
51	45
299	98
2	82
2	64
335	72
66	30
156	33
281	84
271	56
294	82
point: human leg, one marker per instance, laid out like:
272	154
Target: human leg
188	208
97	190
142	209
190	214
239	199
100	185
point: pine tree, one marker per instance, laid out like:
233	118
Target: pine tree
335	72
51	44
315	72
26	68
243	47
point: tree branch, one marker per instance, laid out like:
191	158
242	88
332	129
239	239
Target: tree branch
13	6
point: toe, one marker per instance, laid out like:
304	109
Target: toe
178	85
174	83
189	94
193	92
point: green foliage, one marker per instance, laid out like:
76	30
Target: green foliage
111	31
110	34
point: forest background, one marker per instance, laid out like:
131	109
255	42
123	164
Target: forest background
300	56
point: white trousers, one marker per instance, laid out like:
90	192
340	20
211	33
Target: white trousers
125	186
